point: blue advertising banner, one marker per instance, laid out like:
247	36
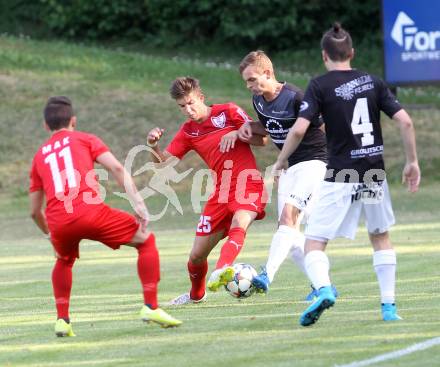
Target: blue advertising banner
411	33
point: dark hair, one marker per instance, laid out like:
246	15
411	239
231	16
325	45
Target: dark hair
183	86
58	112
337	43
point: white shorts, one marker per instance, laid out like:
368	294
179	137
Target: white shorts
341	205
299	185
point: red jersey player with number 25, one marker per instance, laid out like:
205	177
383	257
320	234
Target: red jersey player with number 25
239	196
62	172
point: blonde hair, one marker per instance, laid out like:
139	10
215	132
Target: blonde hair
258	59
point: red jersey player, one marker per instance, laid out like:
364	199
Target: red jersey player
212	131
62	173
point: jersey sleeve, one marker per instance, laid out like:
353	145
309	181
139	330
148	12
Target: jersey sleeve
35	184
311	105
387	100
179	145
297	102
237	115
97	146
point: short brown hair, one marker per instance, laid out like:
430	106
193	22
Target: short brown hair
183	86
257	58
58	112
337	43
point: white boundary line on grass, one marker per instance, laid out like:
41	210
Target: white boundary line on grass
393	355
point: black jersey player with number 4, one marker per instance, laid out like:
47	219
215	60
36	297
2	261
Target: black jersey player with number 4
350	102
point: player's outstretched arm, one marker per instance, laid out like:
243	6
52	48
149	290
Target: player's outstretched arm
293	139
125	181
411	171
36	203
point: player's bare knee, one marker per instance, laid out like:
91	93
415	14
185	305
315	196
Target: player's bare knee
289	221
140	237
315	244
237	223
243	219
290	216
196	258
380	241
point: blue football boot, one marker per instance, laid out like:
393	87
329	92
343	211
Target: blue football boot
315	293
261	282
389	312
326	299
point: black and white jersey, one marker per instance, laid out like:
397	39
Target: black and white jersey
279	115
350	102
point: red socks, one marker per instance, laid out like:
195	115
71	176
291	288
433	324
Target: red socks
197	275
62	285
228	253
232	247
149	270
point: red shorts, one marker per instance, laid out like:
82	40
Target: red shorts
217	215
112	227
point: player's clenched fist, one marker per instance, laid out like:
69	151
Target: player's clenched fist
245	132
154	136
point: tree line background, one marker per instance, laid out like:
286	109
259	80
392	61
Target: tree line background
274	25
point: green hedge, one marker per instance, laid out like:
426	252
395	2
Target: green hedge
22	17
272	24
97	19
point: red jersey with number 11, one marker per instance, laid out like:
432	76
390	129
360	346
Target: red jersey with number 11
63	169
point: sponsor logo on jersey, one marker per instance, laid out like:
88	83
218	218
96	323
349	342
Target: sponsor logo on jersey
366	152
348	90
276	130
219	121
275	127
417	45
304	106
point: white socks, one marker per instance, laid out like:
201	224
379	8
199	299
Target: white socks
318	267
297	251
285	239
384	262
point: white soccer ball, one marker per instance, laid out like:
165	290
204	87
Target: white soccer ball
241	285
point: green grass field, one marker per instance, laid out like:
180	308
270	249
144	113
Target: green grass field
259	331
121	95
